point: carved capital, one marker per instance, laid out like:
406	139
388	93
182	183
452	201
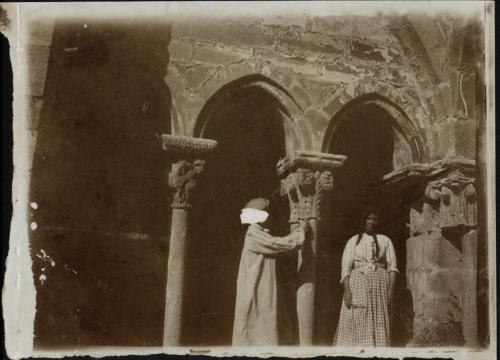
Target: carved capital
307	176
448	198
182	179
454	196
188	154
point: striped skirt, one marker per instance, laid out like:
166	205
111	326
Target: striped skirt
366	323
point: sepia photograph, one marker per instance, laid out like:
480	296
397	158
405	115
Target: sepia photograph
289	178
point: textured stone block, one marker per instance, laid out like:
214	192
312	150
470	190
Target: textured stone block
38	58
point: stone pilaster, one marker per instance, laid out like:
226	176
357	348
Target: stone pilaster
306	177
441	252
188	156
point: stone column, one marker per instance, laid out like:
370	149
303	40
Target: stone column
188	156
442	254
306	177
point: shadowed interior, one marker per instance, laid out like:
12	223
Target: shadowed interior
248	125
364	133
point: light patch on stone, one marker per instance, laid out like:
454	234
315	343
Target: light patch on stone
42	279
70	269
34	205
33	225
46	258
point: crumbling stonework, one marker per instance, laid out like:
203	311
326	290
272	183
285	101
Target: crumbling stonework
111	89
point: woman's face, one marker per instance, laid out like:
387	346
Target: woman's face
371	223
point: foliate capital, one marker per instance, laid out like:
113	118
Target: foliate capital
306	177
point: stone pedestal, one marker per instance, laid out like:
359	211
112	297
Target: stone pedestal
306	177
188	162
441	253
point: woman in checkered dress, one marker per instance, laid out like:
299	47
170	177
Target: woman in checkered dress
368	276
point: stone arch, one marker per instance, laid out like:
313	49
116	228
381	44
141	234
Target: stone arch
405	110
178	127
297	130
396	119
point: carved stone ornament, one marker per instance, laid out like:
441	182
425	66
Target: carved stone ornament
450	195
185	146
308	176
182	178
455	197
189	153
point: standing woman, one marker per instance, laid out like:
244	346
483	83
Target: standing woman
368	276
258	318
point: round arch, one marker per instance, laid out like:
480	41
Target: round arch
297	130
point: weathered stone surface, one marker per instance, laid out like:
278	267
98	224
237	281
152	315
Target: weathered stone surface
196	76
466	144
437	259
219	56
317	118
180	50
35	106
314	43
114	86
469	296
227	32
94	294
39	33
38	58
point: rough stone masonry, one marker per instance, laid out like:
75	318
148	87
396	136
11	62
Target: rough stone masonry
102	93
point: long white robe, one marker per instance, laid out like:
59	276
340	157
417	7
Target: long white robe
256	320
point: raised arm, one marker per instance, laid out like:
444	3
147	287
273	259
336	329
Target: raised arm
261	242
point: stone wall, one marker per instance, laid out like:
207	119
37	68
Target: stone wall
98	180
101	209
326	62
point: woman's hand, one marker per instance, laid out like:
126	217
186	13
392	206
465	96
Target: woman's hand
306	228
299	240
348	297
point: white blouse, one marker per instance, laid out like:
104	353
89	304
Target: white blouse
365	251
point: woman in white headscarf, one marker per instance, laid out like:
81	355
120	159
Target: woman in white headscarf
256	321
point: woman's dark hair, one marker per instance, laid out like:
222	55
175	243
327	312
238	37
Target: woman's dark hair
367	212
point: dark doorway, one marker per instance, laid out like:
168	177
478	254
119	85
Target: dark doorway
247	122
364	133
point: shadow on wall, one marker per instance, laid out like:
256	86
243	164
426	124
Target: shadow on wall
102	209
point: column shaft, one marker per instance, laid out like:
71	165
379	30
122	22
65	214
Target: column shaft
175	278
188	155
306	292
307	176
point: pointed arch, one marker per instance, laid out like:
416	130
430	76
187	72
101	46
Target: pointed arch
297	130
401	123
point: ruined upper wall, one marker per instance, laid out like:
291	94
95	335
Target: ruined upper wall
324	62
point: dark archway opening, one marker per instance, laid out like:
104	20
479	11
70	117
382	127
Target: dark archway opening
365	133
247	122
